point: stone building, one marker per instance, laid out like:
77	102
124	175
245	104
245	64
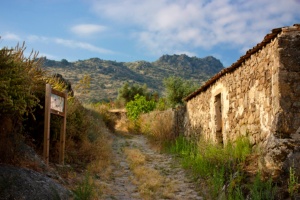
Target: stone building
259	97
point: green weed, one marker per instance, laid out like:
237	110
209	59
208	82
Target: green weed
85	189
292	182
215	163
262	190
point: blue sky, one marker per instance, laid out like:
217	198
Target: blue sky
131	30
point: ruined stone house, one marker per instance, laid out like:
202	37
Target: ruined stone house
259	97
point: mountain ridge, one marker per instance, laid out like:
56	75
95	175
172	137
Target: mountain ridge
107	76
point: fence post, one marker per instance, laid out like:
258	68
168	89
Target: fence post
47	123
63	133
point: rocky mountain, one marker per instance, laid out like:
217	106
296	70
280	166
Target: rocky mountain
107	76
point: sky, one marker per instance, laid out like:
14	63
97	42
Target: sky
133	30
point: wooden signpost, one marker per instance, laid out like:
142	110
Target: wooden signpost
55	103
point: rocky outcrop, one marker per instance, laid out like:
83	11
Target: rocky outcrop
20	183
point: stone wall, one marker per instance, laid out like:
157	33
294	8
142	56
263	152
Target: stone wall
247	99
260	99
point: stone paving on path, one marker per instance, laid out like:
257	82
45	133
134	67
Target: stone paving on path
122	183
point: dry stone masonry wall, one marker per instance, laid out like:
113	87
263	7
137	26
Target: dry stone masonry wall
259	99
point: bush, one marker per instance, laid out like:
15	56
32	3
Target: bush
21	79
138	106
176	89
127	93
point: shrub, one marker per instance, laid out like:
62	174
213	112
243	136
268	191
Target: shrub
128	92
20	80
138	106
176	89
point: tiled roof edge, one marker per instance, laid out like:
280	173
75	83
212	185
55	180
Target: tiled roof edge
267	39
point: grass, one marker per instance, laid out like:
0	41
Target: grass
135	157
151	183
293	183
221	166
85	189
262	190
88	149
148	180
156	125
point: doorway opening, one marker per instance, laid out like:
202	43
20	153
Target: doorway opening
218	119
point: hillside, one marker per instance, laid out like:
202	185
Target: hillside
107	76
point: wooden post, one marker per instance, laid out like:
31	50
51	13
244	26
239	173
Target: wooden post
47	123
63	133
55	103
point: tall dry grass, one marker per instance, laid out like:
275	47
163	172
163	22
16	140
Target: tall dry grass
149	181
88	140
158	125
88	147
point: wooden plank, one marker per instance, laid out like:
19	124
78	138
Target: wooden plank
57	112
47	124
63	133
58	93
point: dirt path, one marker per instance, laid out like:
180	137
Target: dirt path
158	176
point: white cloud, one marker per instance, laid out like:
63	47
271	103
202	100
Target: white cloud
87	29
188	53
48	56
36	38
164	26
82	45
11	36
60	41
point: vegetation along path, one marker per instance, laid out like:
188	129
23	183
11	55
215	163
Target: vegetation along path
141	172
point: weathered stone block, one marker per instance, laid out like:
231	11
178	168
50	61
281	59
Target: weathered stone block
262	96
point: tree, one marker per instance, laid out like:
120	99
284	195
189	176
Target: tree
64	62
176	89
127	92
138	106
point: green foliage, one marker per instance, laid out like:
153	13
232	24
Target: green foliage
161	104
235	188
84	190
214	163
64	62
127	93
138	106
21	82
262	190
176	89
19	79
292	182
113	74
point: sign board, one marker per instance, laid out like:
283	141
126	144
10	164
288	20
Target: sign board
55	103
